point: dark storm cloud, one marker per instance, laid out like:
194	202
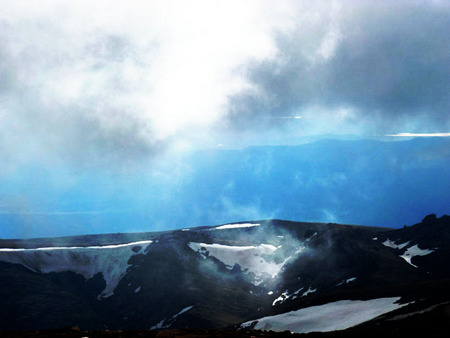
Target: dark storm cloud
387	62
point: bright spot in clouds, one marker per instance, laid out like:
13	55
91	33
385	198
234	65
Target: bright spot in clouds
149	71
93	90
116	80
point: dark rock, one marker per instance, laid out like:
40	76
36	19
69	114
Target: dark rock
429	219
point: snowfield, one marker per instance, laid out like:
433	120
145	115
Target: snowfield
109	260
236	226
415	251
251	259
391	244
328	317
409	252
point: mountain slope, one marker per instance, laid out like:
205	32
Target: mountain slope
212	277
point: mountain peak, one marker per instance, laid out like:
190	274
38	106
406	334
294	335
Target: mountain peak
429	219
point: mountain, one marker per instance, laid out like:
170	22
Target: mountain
370	182
267	275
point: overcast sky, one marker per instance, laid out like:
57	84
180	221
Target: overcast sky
89	88
123	80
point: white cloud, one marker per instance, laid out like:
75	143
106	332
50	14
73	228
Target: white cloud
152	69
113	79
420	135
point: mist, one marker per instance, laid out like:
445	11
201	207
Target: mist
119	118
355	182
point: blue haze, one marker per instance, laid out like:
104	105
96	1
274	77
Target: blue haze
355	182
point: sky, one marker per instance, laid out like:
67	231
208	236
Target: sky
118	91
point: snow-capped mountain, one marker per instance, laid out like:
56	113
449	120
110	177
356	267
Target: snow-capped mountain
271	275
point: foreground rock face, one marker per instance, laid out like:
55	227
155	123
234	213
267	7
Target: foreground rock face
213	277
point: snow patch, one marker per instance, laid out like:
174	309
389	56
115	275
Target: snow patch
311	237
295	294
281	298
285	295
137	289
415	251
307	292
251	259
236	226
328	317
109	260
165	324
346	281
300	249
392	244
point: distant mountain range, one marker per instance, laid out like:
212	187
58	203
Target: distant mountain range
354	182
366	182
261	275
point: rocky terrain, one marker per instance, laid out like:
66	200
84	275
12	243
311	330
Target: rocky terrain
250	278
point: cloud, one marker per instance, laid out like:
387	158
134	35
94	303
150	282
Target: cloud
356	66
230	211
109	80
106	82
420	135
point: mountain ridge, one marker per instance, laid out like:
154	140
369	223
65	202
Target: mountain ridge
220	276
125	237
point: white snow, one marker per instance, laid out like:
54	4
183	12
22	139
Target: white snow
300	249
312	236
270	293
307	292
164	324
295	294
409	252
54	248
345	281
285	295
415	251
251	259
328	317
392	244
109	260
281	298
137	289
236	226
